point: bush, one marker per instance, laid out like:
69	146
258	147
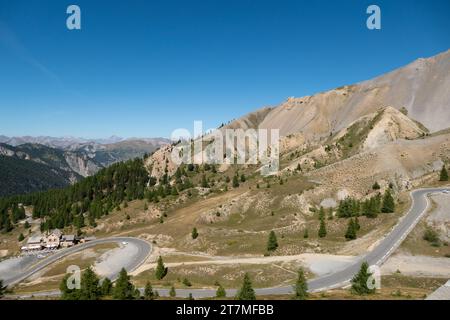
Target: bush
186	282
431	236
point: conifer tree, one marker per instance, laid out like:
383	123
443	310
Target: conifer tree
161	270
124	289
106	287
221	293
194	233
246	292
388	205
359	282
90	289
322	229
443	176
66	293
272	243
350	234
321	213
172	292
148	291
301	286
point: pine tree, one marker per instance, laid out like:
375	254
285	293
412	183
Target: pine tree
321	213
90	289
194	233
272	243
350	234
187	283
444	174
106	287
221	293
161	270
322	229
172	292
21	237
124	289
66	293
359	281
148	292
301	286
246	292
388	205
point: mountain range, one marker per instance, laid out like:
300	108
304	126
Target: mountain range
29	164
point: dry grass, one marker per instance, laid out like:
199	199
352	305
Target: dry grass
230	276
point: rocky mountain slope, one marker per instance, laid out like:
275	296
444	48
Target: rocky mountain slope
378	116
420	88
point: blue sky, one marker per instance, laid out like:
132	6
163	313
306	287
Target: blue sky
145	68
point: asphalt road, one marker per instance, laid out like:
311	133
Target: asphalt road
338	279
342	278
144	249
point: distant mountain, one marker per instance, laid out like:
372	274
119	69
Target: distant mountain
27	167
34	167
72	143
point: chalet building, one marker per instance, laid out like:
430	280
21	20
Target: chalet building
33	243
53	239
67	240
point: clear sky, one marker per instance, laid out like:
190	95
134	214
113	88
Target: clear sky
145	68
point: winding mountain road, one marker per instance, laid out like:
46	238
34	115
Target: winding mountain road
338	279
144	249
342	278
